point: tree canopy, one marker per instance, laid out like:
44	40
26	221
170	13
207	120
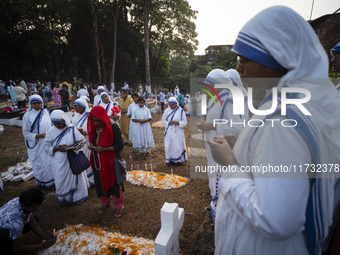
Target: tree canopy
58	39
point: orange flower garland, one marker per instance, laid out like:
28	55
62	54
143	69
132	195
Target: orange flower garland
80	239
158	124
196	152
156	180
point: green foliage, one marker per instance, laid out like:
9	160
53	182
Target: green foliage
183	81
333	75
225	59
58	36
179	65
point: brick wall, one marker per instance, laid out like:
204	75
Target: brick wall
328	29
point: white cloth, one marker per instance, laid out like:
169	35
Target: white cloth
20	93
235	78
69	188
82	92
267	216
140	88
39	159
174	139
142	133
96	100
2	88
126	86
23	85
80	121
131	109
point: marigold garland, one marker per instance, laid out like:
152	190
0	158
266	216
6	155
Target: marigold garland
198	136
196	152
158	124
156	180
80	239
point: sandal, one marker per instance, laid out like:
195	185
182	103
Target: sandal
207	208
118	212
135	150
130	144
103	209
80	202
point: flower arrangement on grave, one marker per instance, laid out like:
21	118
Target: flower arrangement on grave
156	180
158	124
80	239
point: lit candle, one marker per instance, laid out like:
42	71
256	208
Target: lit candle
146	167
151	167
53	232
131	167
172	173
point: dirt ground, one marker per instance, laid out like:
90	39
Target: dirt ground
141	216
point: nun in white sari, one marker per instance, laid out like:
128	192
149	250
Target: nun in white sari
35	124
97	98
271	212
174	120
70	188
107	104
221	110
80	122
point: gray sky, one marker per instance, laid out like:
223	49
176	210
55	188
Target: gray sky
219	21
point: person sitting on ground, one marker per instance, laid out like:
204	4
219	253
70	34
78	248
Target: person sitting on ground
16	219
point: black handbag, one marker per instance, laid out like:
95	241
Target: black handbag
120	170
78	162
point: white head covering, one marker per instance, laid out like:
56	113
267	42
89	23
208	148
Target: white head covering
236	80
217	76
35	98
100	88
83	104
104	94
278	37
85	98
173	100
59	116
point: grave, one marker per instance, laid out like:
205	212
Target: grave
172	218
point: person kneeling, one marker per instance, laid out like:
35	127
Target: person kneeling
16	219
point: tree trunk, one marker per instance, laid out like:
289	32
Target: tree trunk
114	55
96	40
102	58
146	41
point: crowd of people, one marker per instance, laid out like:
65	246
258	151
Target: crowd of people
253	212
